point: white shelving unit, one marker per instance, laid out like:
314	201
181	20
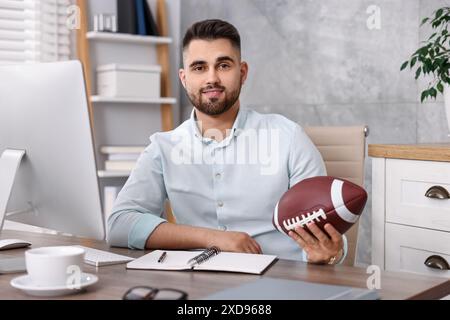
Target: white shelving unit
118	39
128	121
126	38
100	99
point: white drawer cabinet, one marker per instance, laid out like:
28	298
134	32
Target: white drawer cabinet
411	208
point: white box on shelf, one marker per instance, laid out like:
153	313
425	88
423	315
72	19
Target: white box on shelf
128	80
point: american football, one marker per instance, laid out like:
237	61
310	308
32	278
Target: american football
322	200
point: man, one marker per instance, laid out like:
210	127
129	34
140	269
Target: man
221	195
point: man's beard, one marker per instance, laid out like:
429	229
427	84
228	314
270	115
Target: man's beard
214	106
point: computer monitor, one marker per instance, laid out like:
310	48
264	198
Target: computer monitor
44	112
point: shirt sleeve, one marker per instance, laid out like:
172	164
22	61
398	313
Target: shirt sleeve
139	206
305	160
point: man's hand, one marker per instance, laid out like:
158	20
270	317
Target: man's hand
320	247
234	242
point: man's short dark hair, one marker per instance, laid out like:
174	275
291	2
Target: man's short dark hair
212	29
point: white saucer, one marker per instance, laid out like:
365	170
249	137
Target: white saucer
25	284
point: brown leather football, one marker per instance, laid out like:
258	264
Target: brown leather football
322	200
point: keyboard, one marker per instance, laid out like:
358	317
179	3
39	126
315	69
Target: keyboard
100	258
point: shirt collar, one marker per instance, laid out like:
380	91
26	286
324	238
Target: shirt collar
236	129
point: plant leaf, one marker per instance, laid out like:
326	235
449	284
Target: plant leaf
423	95
433	93
419	69
435	24
439	12
404	65
413	62
440	87
424	21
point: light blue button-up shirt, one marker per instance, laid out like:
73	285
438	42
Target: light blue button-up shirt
230	185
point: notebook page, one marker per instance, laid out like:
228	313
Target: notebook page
175	260
237	262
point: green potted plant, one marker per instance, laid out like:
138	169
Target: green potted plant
433	58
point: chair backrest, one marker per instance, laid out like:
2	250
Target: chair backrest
343	151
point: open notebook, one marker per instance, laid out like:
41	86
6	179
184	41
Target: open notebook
224	261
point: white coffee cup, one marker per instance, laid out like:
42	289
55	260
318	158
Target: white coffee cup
55	266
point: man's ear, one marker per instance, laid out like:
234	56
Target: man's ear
182	76
244	71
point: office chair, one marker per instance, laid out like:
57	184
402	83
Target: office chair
343	151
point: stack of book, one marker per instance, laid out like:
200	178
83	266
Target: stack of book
121	158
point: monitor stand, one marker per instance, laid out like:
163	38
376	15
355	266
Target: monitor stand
9	164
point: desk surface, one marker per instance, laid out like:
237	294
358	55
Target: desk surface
115	280
427	152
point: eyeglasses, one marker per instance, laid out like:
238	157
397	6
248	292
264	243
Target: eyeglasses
149	293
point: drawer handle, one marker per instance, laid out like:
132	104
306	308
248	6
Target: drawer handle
437	262
437	192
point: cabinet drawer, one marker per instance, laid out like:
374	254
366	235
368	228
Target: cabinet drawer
407	248
407	181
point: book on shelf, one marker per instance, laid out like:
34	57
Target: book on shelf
140	17
122	149
119	165
126	16
152	28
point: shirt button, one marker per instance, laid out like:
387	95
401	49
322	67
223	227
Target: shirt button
218	175
220	204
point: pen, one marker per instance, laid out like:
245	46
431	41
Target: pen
163	256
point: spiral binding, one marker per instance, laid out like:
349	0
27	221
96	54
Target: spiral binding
204	256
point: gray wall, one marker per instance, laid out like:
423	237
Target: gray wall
317	62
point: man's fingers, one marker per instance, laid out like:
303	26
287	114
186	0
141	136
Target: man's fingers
258	247
308	238
297	238
318	233
334	234
250	246
254	248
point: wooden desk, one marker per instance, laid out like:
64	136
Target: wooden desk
115	280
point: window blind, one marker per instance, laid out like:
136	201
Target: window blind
34	31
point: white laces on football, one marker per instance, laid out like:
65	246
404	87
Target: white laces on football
291	224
